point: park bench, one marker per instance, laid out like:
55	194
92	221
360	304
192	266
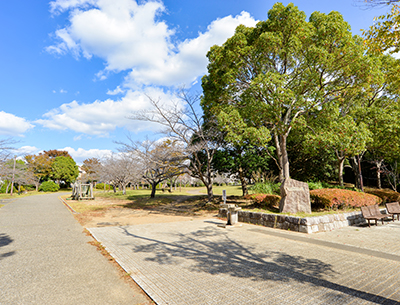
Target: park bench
393	208
372	212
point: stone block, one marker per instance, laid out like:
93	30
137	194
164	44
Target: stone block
295	197
314	228
305	229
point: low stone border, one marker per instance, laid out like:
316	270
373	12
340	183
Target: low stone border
305	225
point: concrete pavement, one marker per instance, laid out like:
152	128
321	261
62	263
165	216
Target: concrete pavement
198	262
45	259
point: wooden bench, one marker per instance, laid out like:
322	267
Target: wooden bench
372	212
393	208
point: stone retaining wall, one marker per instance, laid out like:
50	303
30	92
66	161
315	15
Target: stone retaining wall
304	225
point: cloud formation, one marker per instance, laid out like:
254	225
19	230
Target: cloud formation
131	36
102	117
11	125
80	154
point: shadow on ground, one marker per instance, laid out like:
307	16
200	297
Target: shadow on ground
226	256
5	240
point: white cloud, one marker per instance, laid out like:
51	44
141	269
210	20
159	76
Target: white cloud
101	117
190	61
116	91
129	36
80	154
11	125
60	6
122	32
26	150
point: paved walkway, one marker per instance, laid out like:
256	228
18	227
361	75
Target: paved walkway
198	262
45	258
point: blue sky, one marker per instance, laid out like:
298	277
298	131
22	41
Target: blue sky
71	71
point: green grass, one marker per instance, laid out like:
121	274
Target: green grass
16	195
137	194
231	190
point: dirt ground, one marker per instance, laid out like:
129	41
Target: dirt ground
108	212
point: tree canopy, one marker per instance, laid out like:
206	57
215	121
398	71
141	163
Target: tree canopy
270	76
64	169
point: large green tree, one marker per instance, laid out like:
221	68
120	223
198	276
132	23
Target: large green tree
384	34
275	73
64	169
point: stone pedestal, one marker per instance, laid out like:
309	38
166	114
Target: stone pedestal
295	197
232	213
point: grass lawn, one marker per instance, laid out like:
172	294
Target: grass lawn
30	193
231	190
16	195
136	194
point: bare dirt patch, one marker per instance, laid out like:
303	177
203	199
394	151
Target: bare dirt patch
116	212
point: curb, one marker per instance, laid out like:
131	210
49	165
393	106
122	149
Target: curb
68	206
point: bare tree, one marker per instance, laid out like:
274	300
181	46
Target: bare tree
183	122
120	170
13	172
375	3
159	160
6	146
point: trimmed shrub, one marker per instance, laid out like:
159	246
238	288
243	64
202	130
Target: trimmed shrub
100	186
265	188
385	194
49	186
339	198
4	188
30	187
316	185
264	201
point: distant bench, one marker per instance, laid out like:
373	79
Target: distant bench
372	212
393	208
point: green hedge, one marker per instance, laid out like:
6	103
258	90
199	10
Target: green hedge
100	186
4	188
49	186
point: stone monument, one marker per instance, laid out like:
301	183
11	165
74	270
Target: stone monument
295	197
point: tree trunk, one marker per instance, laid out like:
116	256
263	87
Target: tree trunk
114	188
340	170
153	189
340	158
210	194
123	189
243	182
378	173
284	158
357	172
279	154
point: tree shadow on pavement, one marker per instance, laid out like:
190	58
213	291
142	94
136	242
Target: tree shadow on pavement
5	240
214	252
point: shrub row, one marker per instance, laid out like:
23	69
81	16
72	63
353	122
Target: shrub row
322	198
339	198
49	186
264	201
385	194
